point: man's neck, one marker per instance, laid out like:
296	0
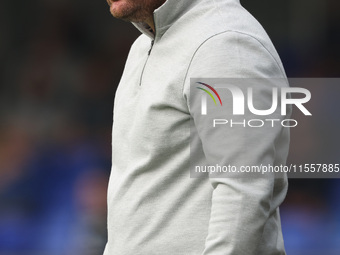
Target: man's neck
150	21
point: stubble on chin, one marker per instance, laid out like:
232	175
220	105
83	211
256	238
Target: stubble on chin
134	10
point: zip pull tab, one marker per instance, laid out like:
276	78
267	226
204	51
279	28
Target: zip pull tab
152	42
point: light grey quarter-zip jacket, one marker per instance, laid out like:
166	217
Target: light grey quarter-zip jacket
154	207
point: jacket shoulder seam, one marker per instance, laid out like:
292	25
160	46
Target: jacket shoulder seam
224	32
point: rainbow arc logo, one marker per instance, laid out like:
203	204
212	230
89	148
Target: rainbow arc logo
209	93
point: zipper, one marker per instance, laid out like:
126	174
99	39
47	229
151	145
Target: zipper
146	61
149	52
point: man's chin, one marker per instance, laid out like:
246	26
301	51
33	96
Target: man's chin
130	11
121	10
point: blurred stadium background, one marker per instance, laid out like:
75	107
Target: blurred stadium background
60	64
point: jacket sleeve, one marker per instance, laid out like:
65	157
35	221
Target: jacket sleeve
244	210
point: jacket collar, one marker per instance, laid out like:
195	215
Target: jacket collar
171	11
166	15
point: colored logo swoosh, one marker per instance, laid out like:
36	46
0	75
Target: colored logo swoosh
209	93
